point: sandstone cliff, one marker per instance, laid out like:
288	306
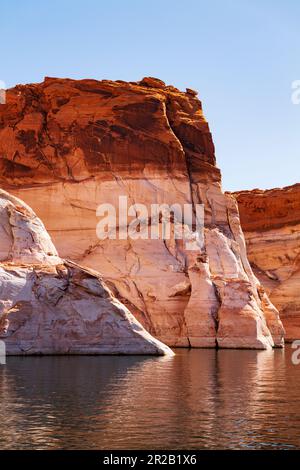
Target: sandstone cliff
66	146
51	306
271	224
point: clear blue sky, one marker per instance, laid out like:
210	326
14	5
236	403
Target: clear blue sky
242	56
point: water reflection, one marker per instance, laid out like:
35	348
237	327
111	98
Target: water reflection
197	399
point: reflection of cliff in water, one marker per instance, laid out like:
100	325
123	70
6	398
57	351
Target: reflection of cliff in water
50	401
197	399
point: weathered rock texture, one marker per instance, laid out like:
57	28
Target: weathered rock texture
66	146
271	224
51	306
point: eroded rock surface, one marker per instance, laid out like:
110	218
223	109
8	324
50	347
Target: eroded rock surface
271	224
51	306
67	146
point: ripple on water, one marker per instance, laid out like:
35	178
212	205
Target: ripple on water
199	399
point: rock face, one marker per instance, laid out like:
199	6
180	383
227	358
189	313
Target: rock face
67	146
51	306
271	224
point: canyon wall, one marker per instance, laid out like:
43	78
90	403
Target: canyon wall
50	306
67	146
271	224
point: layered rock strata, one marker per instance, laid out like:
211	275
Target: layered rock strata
51	306
67	146
271	224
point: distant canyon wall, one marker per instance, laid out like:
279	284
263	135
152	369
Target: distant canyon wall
271	224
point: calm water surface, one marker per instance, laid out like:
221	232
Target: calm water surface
198	399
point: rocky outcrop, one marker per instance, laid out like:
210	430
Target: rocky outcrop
67	146
271	224
51	306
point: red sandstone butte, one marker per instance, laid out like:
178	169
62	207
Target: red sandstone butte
67	146
271	224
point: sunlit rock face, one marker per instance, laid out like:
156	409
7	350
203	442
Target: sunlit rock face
271	224
23	237
51	306
67	146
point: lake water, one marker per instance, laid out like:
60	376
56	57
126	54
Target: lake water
199	399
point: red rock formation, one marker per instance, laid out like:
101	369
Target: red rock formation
66	146
271	224
51	306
